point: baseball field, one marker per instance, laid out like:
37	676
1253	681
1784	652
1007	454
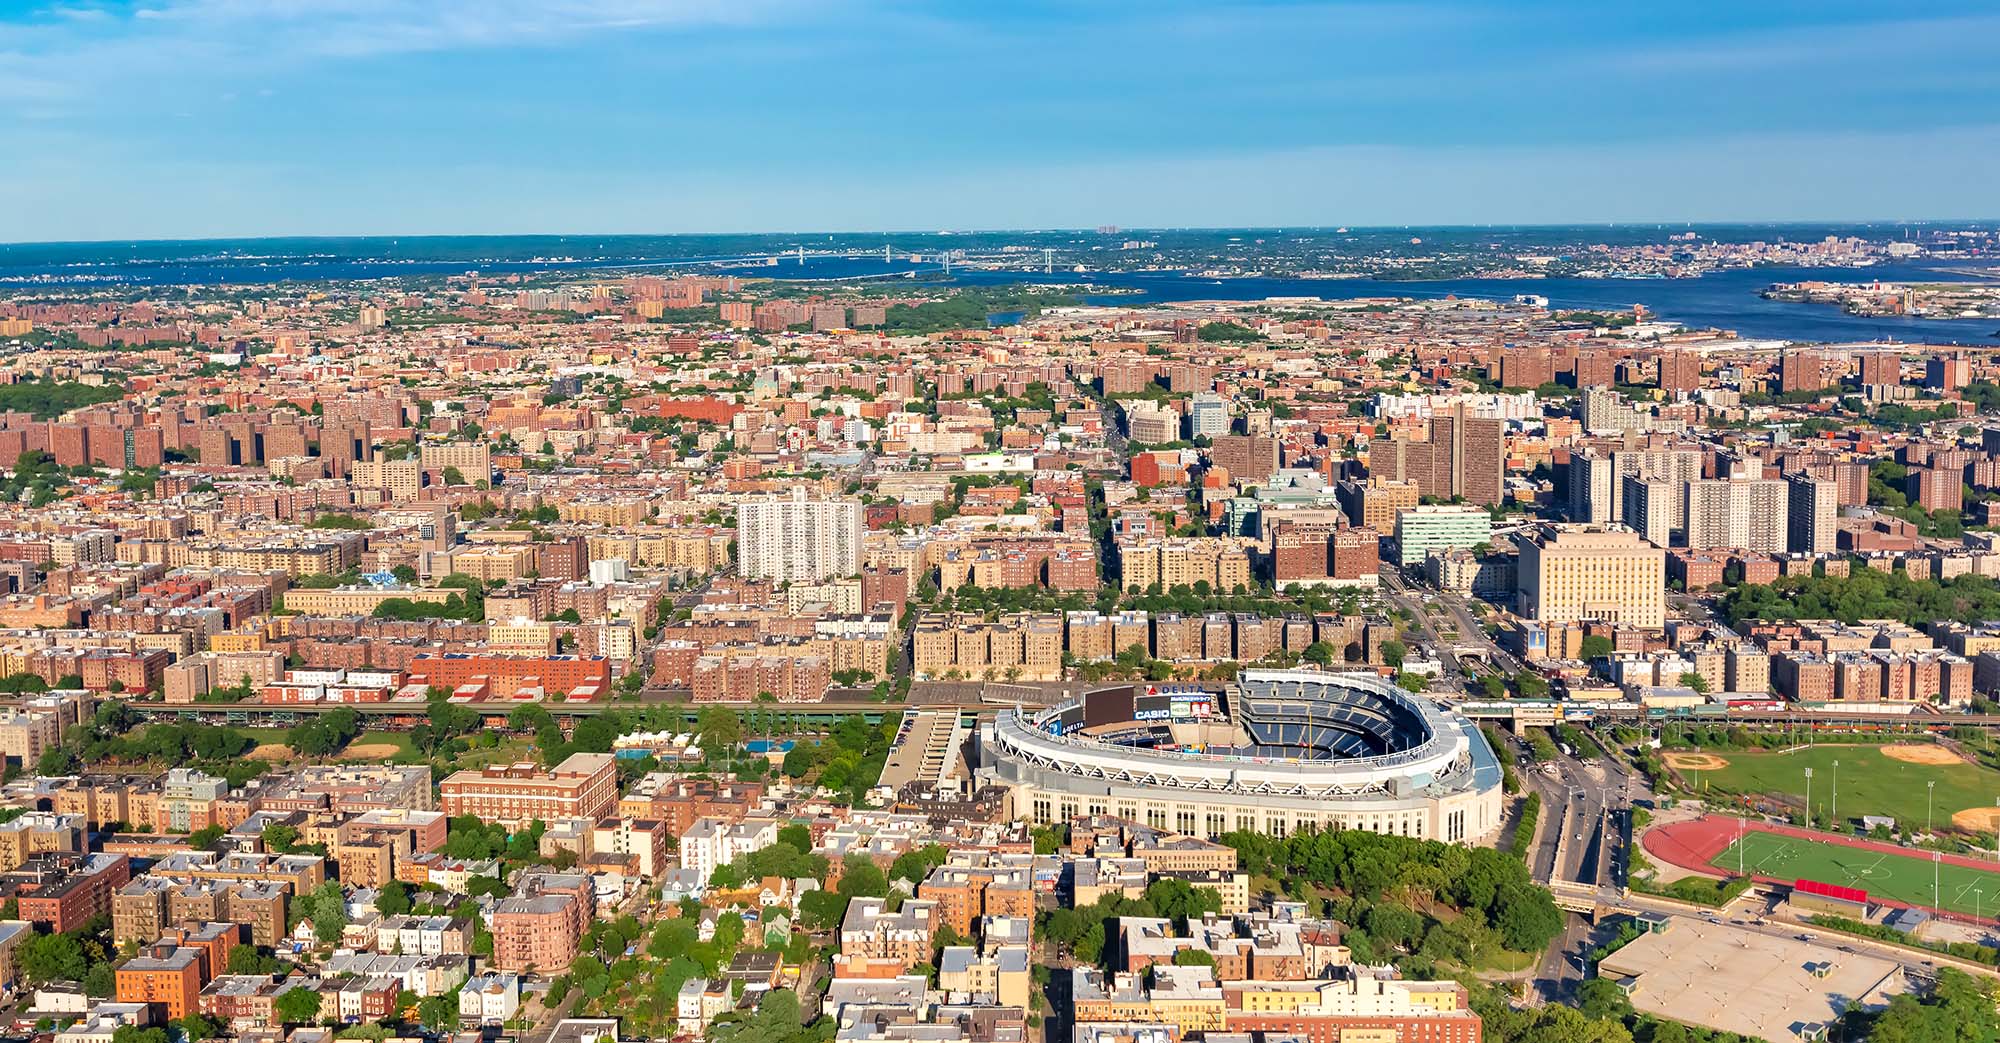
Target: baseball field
1891	780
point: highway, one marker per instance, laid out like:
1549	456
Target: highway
1582	849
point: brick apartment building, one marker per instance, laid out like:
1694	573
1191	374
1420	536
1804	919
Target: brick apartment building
60	892
502	676
166	978
540	925
584	785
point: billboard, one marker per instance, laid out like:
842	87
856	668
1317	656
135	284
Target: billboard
1108	706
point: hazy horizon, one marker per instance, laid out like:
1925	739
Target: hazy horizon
1493	226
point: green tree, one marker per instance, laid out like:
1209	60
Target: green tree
916	864
438	1012
719	727
135	1034
860	877
1180	901
280	838
56	760
327	908
1226	332
297	1006
822	910
796	836
51	957
1602	998
1393	653
393	899
246	959
800	759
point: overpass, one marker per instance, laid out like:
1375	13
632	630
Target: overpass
1537	712
408	714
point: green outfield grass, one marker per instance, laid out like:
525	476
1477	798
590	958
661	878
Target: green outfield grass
1871	783
1898	878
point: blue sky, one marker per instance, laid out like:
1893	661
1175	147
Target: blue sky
169	118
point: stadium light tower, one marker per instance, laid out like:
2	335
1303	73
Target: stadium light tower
1930	789
1808	798
1836	794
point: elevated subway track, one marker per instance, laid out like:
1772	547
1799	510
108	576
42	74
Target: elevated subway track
848	704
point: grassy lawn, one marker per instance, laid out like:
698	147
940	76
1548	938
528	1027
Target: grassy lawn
1896	877
1505	961
1871	782
507	752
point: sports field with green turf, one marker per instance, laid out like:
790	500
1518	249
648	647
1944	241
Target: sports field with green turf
1897	878
1870	782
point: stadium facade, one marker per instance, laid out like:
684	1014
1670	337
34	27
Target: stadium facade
1277	751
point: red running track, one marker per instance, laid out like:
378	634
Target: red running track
1694	844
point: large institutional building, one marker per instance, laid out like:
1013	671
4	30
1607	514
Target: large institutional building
1586	573
1279	751
797	539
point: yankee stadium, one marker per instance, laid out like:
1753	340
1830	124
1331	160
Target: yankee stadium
1275	752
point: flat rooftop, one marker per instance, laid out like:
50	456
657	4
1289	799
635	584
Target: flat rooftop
1746	982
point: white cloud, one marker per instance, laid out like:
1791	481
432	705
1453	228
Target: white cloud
360	27
83	51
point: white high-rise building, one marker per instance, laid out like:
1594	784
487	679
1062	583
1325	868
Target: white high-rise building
796	539
1649	508
1814	513
1738	514
1208	414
